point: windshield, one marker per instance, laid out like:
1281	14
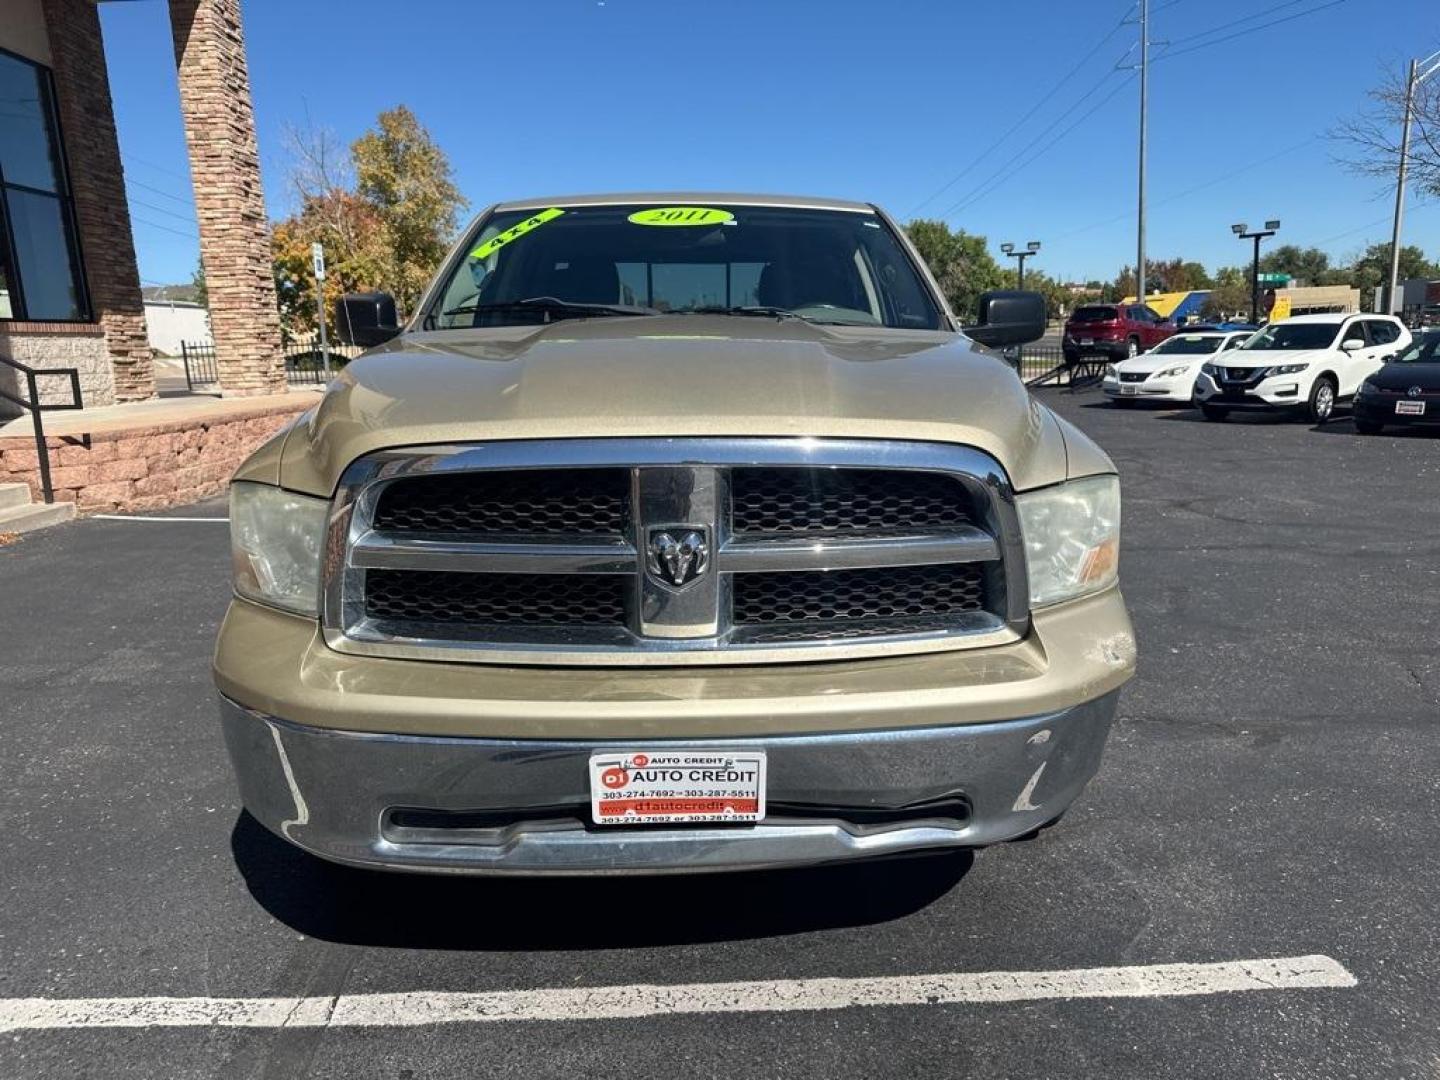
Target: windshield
1093	314
1292	336
826	266
1425	349
1189	344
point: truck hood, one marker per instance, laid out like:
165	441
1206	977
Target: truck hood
677	375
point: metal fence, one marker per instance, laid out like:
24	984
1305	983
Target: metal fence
304	364
1045	365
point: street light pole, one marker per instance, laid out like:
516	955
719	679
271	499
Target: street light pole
1431	64
1020	256
1271	228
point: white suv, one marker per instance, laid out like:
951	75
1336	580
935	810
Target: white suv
1303	365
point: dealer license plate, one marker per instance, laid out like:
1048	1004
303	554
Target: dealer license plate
1410	408
1129	390
676	787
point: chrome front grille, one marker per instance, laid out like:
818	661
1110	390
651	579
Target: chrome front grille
522	502
873	593
810	502
679	551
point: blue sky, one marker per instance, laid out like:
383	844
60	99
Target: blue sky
886	101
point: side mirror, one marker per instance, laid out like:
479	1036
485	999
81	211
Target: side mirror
1009	317
1352	345
366	319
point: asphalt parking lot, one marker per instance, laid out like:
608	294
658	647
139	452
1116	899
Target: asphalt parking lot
1271	789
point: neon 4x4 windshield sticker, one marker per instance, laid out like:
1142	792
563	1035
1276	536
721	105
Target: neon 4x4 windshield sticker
681	215
499	240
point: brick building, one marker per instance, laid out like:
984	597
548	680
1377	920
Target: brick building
69	286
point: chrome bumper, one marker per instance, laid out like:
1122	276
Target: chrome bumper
333	793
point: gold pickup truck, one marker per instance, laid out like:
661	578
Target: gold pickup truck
673	532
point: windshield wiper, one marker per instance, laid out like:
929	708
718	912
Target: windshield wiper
552	306
762	310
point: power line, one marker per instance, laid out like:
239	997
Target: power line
1171	54
151	165
998	179
183	199
1230	175
189	219
165	228
1024	119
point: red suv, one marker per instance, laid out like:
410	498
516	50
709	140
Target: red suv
1113	330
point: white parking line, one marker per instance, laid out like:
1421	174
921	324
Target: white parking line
616	1002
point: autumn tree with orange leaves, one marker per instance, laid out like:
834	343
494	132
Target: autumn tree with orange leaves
385	211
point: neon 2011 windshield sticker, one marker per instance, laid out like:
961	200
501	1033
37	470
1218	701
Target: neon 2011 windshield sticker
499	240
681	215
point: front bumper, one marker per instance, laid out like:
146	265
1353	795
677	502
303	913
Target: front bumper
326	745
520	805
1380	409
1178	388
1282	392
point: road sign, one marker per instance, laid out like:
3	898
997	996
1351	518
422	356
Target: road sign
317	258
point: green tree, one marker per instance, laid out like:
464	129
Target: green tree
1308	266
405	176
1372	267
960	262
1163	275
1229	294
197	282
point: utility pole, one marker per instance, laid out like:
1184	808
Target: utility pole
1144	133
1431	64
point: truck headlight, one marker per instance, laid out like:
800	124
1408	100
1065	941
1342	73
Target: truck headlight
1072	538
276	538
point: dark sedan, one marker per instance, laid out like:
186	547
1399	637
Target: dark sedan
1404	391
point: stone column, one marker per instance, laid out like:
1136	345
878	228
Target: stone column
225	170
97	184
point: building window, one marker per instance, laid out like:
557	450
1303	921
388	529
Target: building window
40	272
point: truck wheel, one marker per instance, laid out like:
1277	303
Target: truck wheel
1214	412
1132	348
1322	400
1368	427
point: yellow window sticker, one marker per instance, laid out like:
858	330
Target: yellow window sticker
681	215
499	240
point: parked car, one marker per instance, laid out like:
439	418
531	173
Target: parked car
1168	371
1304	366
1405	391
676	532
1114	330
